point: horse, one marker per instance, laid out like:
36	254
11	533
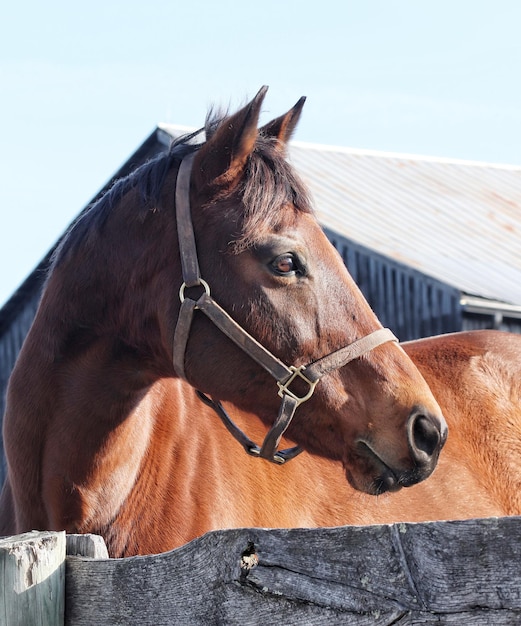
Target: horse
138	373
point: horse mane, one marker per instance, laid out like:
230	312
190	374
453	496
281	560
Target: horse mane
148	179
269	182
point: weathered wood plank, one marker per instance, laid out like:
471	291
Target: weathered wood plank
91	546
445	572
460	565
32	579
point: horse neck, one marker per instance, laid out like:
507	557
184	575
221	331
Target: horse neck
100	339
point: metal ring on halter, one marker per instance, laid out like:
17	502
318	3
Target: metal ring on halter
202	282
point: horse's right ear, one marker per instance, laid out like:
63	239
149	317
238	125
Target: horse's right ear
282	127
221	160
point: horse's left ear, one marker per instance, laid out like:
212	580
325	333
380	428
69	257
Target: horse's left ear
282	127
220	161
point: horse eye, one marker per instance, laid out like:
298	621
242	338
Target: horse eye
284	265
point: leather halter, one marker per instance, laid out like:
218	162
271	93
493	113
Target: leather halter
283	374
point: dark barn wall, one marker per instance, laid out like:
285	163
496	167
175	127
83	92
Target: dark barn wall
477	321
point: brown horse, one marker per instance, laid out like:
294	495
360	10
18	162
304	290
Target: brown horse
104	429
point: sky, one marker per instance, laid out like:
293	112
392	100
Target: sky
83	84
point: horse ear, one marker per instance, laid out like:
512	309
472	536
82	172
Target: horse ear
282	127
221	160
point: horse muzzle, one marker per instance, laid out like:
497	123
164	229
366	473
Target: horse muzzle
374	472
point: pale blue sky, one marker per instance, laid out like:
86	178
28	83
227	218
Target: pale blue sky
82	85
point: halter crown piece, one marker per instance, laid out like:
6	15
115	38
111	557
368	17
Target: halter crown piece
283	374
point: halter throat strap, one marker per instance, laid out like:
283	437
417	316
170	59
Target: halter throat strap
283	374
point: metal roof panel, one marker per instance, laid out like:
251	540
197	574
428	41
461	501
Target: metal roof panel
457	221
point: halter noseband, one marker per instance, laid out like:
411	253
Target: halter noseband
283	374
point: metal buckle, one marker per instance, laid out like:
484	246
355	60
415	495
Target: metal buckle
297	372
277	458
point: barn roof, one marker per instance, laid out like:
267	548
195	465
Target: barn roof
457	221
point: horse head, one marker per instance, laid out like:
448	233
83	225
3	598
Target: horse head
267	264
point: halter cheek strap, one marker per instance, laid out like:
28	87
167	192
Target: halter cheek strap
283	374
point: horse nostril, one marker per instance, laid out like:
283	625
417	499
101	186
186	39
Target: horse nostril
425	437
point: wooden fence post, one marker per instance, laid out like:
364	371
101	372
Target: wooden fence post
32	579
90	546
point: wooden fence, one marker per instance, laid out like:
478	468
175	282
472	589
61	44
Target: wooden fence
433	573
